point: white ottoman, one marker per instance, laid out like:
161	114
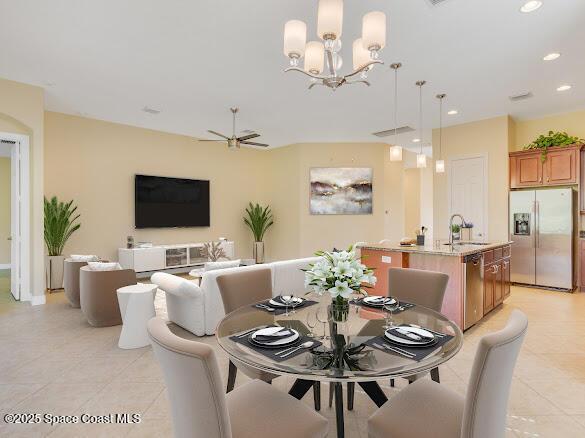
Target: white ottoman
137	307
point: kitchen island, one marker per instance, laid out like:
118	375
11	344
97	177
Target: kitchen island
479	273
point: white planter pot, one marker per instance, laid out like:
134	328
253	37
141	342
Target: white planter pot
259	252
54	271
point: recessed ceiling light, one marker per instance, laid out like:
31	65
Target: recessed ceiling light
453	112
552	56
564	88
416	140
531	6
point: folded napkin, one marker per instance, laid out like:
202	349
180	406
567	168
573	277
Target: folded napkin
296	301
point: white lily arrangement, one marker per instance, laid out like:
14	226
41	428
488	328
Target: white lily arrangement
340	273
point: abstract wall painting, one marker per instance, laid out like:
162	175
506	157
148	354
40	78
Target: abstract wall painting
341	190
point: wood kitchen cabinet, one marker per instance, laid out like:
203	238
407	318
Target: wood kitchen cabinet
506	277
489	286
496	278
560	167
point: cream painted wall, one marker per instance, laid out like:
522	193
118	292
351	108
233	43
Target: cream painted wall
94	163
412	201
489	137
572	123
4	210
22	111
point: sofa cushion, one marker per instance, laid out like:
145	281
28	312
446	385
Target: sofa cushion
83	258
212	266
102	266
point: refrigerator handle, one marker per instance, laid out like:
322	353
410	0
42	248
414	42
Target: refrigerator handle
537	224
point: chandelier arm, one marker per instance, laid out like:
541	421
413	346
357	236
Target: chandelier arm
311	75
330	63
361	81
362	68
315	83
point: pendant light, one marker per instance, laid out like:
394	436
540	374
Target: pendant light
440	163
421	159
395	151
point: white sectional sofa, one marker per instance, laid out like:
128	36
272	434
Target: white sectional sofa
200	308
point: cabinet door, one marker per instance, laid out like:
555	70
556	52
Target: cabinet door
488	288
498	284
560	167
582	262
528	170
506	277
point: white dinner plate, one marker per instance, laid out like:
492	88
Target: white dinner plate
295	303
280	342
391	336
376	301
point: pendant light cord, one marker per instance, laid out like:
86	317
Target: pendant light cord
440	128
421	83
395	105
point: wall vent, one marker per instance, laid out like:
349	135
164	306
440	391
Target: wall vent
521	96
389	132
149	110
436	2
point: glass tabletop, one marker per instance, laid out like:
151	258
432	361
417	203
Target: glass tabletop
363	324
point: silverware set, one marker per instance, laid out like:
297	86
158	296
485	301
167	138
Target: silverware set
396	350
265	307
290	350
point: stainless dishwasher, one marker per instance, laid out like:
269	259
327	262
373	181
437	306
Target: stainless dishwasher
473	289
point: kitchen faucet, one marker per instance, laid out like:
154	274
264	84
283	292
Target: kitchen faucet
451	227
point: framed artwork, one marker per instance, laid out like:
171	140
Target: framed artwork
341	190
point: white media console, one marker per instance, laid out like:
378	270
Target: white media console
164	257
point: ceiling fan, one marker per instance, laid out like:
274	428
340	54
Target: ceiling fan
234	142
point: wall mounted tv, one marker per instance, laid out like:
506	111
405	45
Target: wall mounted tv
161	202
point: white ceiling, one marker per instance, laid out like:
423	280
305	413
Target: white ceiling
192	60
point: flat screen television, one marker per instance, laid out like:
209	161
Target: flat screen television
161	202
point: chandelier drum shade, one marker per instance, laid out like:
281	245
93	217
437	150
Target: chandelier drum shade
326	71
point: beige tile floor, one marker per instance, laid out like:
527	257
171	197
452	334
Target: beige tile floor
52	361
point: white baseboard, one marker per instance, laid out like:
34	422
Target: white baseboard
37	300
5	266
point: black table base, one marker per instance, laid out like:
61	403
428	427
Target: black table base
372	389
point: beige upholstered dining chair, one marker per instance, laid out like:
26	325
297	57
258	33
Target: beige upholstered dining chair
428	409
71	280
244	288
424	288
200	409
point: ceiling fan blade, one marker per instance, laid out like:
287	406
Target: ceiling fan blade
206	139
254	144
248	137
217	133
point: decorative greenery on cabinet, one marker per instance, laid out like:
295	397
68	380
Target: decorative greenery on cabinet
543	142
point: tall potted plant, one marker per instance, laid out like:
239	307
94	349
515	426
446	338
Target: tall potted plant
258	219
60	224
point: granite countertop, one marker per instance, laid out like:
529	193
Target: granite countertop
458	250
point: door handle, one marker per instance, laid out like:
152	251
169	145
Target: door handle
9	238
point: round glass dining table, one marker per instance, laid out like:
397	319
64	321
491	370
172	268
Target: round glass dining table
327	362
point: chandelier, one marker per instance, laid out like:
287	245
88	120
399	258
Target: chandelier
322	60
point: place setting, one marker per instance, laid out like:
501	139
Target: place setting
284	304
388	304
276	342
409	341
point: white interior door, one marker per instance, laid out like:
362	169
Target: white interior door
15	221
468	192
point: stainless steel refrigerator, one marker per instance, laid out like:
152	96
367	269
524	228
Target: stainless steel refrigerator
541	227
